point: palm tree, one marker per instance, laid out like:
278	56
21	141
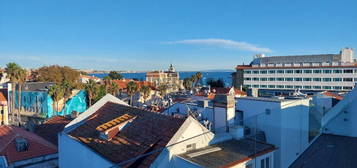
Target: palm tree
113	88
21	79
131	89
198	76
91	89
187	83
57	93
145	91
12	71
107	81
67	91
162	90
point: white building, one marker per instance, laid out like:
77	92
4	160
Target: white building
111	133
281	122
309	73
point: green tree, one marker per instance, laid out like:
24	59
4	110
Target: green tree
187	83
21	79
67	91
100	93
115	75
215	83
113	88
91	89
57	74
145	91
198	77
131	89
12	72
162	90
107	81
56	92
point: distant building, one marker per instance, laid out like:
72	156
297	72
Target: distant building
86	78
4	107
20	148
36	100
308	73
171	78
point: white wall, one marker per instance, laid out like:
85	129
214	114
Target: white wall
190	132
286	126
341	119
73	154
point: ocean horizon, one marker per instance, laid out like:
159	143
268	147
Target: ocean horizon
225	76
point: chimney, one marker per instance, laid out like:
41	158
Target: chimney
111	128
223	112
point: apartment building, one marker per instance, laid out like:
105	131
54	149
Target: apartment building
306	73
171	78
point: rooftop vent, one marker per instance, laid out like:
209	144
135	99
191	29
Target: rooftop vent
21	144
111	128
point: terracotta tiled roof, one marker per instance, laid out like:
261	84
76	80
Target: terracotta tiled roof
148	131
336	96
220	90
50	128
122	83
2	96
37	145
240	92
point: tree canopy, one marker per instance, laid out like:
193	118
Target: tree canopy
57	74
215	83
115	75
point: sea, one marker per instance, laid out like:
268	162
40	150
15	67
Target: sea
225	76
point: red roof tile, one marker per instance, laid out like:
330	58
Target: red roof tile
50	128
37	145
122	83
148	131
336	96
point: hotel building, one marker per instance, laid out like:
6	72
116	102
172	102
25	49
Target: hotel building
306	73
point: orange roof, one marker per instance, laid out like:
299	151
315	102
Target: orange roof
336	96
122	83
2	97
50	128
37	145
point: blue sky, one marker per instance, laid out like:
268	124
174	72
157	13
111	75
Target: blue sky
191	34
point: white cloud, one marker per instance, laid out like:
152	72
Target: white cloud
223	43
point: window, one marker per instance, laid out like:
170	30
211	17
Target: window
337	71
327	79
289	86
280	86
255	86
280	71
263	72
280	79
265	163
337	87
317	79
263	86
298	79
297	87
347	87
271	79
289	71
348	71
347	79
337	79
263	79
317	71
271	86
327	71
255	79
298	71
190	147
307	79
308	71
289	79
248	86
271	71
317	87
307	87
326	87
247	72
262	163
248	79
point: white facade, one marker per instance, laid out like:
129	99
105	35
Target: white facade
302	78
285	124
